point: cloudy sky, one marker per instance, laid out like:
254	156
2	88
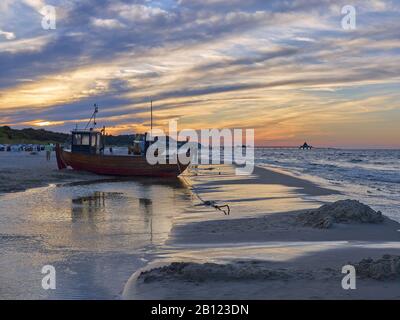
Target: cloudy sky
288	69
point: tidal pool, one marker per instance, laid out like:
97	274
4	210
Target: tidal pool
95	234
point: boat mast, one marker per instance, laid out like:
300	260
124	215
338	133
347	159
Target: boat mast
93	117
151	116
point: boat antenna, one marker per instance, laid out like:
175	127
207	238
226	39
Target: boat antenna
93	117
151	115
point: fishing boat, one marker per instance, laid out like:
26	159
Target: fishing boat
87	154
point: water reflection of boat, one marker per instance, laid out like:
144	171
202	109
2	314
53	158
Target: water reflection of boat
87	154
88	208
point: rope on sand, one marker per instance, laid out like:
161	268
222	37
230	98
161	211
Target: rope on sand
224	208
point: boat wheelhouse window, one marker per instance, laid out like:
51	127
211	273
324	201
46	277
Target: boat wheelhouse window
76	139
85	140
98	135
93	140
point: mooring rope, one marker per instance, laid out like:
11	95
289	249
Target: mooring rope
208	203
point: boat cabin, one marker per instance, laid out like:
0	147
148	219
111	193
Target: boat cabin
87	141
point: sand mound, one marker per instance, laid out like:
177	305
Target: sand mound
385	268
343	211
195	272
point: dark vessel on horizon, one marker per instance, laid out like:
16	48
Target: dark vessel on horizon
305	146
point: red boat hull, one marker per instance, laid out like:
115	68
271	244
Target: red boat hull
116	165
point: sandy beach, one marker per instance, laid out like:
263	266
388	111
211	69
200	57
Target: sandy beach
178	247
22	170
269	255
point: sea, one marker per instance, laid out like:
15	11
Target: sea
371	176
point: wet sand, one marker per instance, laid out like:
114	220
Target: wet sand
262	175
20	171
260	251
309	275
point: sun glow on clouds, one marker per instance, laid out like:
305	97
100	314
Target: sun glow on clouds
58	89
284	68
44	123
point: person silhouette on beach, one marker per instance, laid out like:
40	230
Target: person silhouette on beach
48	149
